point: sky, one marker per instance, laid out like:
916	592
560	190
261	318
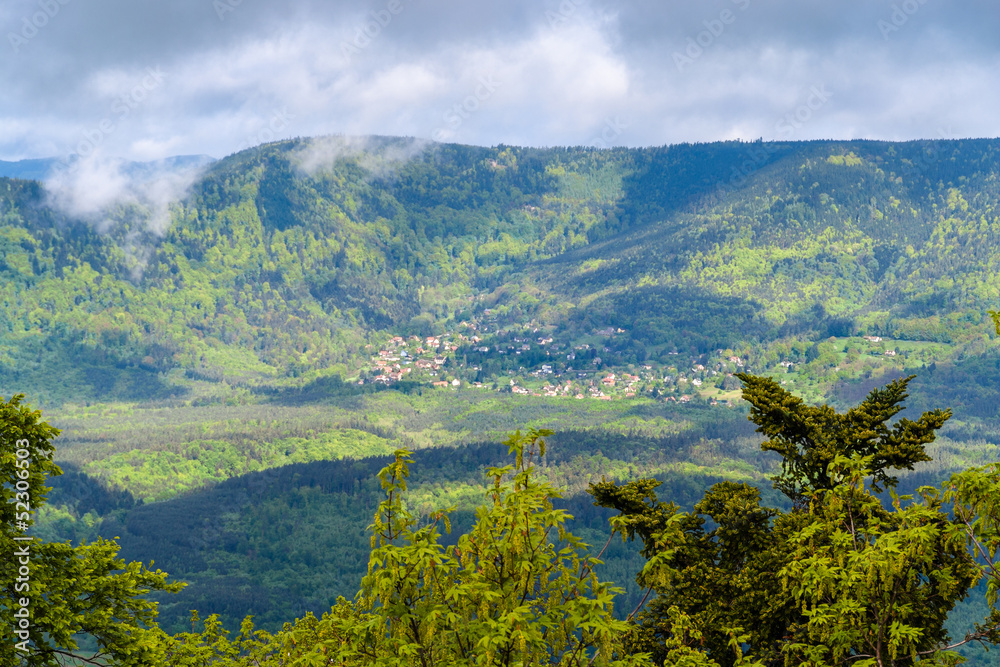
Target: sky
147	79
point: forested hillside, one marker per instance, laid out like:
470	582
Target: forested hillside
286	260
229	383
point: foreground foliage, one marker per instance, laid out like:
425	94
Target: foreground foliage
840	578
518	589
68	591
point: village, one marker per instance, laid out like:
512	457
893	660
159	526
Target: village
437	360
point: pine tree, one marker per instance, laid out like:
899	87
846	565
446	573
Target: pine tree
837	578
810	438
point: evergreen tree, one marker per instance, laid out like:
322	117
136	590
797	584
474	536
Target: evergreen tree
809	439
837	578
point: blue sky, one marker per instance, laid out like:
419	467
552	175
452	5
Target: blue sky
145	79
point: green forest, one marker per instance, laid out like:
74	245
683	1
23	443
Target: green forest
324	334
834	573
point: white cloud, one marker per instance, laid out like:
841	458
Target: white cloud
560	82
106	192
380	157
91	188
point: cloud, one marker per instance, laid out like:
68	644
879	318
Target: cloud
131	200
566	69
380	156
90	188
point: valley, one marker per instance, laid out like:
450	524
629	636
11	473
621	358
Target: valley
228	386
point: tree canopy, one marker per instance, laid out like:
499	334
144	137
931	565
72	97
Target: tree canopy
840	578
55	593
847	575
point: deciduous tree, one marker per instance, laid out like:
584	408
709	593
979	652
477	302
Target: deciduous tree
54	592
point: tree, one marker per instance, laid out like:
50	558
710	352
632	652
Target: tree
838	578
52	592
810	438
720	583
875	585
517	589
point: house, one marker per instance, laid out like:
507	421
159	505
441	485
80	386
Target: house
609	381
685	399
890	353
440	383
696	382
